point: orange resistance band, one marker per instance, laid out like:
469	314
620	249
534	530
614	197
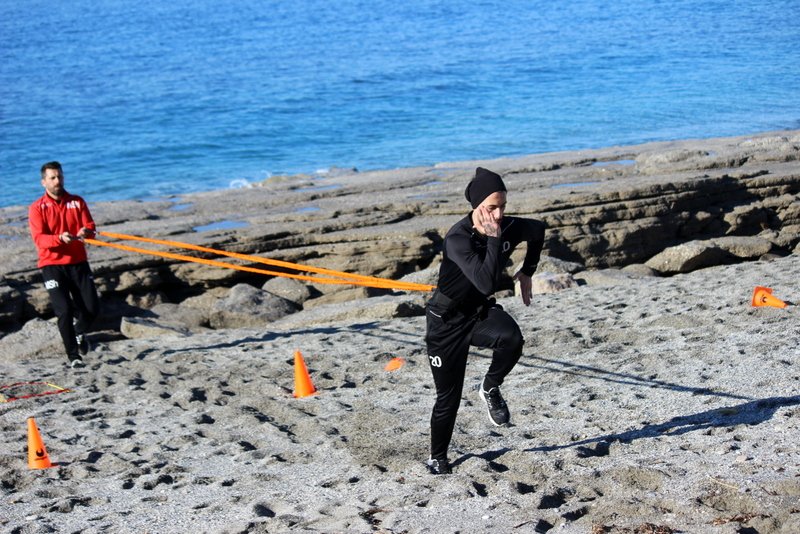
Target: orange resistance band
340	277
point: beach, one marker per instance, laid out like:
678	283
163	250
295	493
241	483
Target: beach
644	402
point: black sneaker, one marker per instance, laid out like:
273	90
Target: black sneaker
439	466
496	405
76	363
83	344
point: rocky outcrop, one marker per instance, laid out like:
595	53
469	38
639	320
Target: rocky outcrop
698	254
550	283
615	229
289	289
245	305
668	207
135	327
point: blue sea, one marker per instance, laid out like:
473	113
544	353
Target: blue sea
147	99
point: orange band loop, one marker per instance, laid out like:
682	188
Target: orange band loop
338	277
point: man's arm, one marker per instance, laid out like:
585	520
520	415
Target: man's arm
534	233
483	274
88	228
534	236
40	232
525	287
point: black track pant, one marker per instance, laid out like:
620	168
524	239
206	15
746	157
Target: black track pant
448	338
74	298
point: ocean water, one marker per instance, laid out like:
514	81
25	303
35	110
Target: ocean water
149	99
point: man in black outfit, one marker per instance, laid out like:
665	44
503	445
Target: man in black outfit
461	312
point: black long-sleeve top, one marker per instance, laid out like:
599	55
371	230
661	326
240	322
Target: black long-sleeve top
472	263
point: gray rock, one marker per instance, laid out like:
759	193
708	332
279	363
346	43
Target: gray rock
146	301
246	305
37	338
784	239
790	210
606	277
138	327
688	257
288	288
343	294
369	309
699	254
769	257
37	298
190	317
650	163
765	142
207	276
639	270
429	276
10	305
205	301
550	283
549	264
138	280
788	237
742	218
744	247
202	305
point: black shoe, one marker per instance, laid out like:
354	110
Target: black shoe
83	344
496	405
76	363
438	466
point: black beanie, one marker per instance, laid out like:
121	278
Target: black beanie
484	184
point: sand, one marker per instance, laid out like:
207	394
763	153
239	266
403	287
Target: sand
657	405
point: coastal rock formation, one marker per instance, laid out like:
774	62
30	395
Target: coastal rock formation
135	327
246	305
672	206
698	254
550	283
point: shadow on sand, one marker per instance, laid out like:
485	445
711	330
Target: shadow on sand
753	412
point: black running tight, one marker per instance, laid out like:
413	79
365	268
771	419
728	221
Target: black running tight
448	340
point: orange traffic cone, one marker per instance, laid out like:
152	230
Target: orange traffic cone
762	296
302	382
37	454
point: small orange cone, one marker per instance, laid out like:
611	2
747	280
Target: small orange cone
762	296
37	454
302	382
394	364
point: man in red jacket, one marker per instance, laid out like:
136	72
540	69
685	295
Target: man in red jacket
59	221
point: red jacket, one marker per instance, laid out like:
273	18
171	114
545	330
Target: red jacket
49	218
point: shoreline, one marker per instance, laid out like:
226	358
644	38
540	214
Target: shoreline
335	170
